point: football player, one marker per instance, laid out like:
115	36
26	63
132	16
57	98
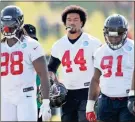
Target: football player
30	30
74	52
114	63
131	100
21	56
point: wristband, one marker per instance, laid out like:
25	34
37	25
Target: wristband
46	101
90	105
131	93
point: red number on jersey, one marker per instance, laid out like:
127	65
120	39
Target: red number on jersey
10	60
119	72
108	65
79	59
66	61
5	63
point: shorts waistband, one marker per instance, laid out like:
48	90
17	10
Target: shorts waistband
115	98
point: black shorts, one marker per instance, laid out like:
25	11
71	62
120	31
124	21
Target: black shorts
113	110
74	110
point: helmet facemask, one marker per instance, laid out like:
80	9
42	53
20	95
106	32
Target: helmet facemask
115	39
9	28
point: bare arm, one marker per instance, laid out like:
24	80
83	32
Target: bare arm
53	76
93	94
40	66
94	88
53	65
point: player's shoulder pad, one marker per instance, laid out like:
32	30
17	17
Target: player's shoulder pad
59	42
30	41
129	45
101	48
130	41
92	39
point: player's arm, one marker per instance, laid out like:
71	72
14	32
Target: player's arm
94	88
40	66
93	94
53	66
36	55
131	100
56	100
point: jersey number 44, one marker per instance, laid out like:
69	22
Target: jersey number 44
79	59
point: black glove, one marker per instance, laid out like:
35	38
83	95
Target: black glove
131	104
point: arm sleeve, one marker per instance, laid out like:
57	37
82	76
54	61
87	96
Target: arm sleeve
53	64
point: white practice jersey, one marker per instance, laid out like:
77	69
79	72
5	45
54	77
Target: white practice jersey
76	60
116	67
17	71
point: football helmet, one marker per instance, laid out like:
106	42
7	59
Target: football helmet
57	95
131	104
115	31
11	21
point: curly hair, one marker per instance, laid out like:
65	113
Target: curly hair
74	9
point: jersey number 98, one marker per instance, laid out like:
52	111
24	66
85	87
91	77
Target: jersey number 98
10	63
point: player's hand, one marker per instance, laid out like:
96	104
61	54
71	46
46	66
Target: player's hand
90	114
131	102
45	110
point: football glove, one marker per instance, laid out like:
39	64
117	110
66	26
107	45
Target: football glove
90	114
45	110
